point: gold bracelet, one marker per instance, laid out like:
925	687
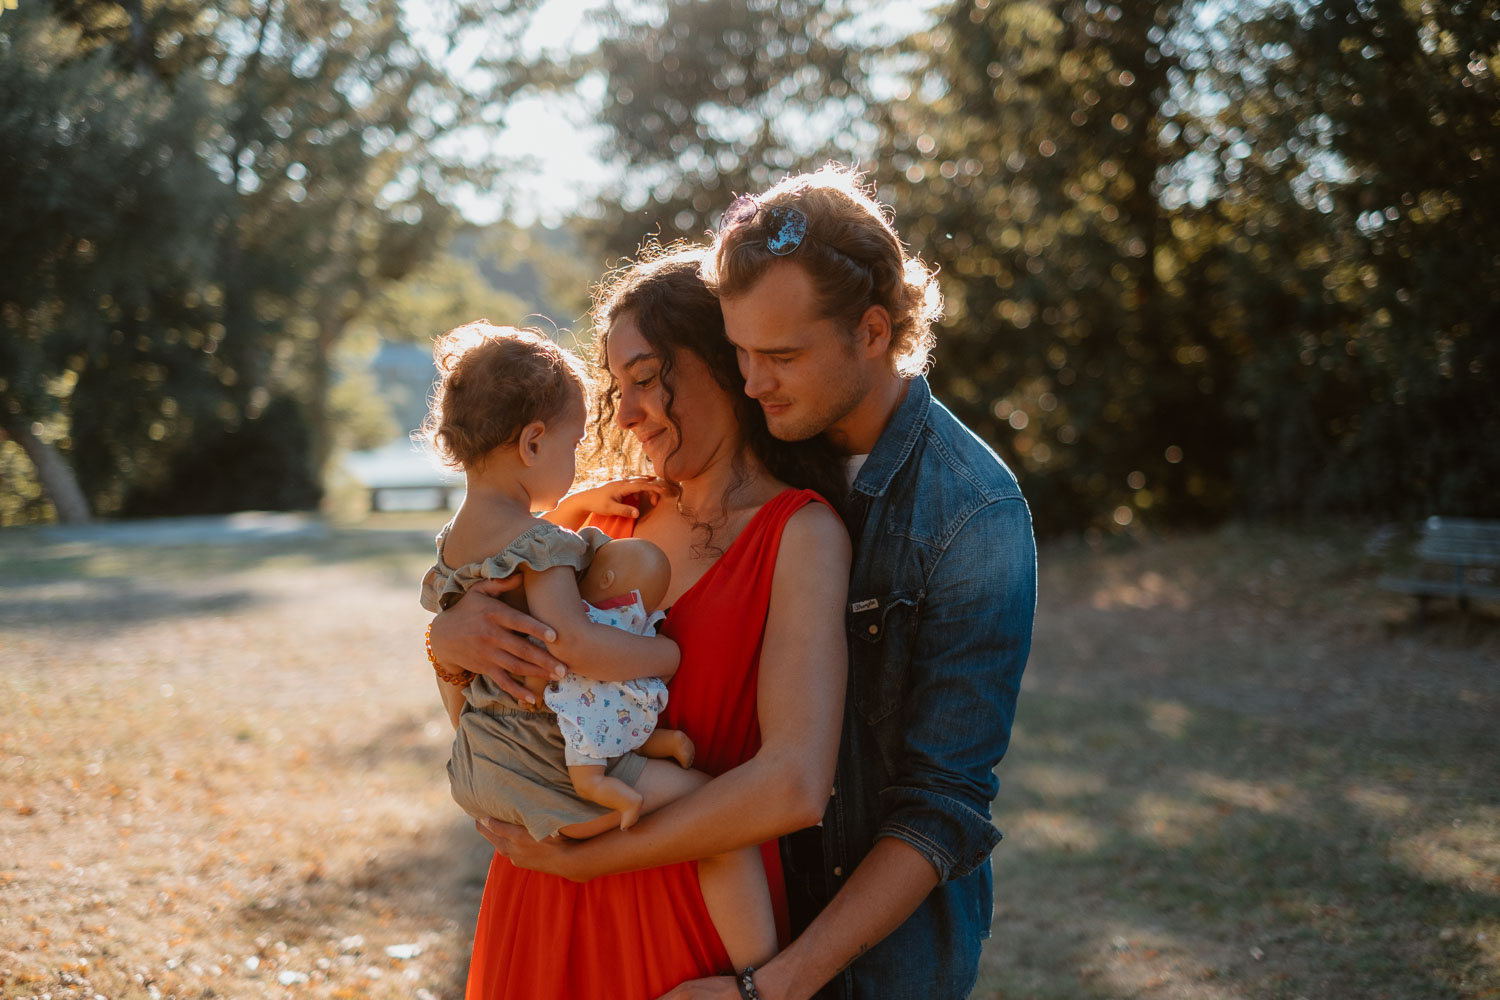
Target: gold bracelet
457	680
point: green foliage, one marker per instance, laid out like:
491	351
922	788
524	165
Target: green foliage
704	100
259	464
106	299
1374	133
197	200
1030	180
447	291
1198	261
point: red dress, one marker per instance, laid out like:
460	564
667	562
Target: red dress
636	935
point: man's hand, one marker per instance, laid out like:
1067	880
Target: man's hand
717	988
485	635
522	850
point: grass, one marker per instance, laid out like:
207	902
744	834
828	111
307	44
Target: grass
1238	771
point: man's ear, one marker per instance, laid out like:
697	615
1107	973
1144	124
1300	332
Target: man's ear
873	333
529	444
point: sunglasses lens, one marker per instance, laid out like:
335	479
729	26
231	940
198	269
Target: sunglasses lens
740	211
788	226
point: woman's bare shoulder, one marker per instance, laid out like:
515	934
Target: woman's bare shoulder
816	535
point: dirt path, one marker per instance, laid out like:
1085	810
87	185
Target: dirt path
222	774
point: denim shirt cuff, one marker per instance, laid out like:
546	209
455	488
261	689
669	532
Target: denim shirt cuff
953	837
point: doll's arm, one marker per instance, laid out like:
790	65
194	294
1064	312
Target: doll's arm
593	650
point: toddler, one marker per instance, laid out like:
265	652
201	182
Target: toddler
510	409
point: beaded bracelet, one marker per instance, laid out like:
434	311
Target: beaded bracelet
745	983
457	680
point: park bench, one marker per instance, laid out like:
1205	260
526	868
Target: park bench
431	495
1467	549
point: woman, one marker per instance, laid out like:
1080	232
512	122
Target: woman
759	573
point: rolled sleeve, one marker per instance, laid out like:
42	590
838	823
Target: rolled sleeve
954	838
972	641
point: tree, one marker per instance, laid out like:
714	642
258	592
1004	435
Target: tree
706	100
1030	168
284	161
106	240
1373	130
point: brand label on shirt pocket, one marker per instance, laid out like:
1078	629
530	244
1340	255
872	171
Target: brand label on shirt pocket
881	633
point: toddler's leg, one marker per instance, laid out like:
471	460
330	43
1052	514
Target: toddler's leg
733	884
591	783
673	743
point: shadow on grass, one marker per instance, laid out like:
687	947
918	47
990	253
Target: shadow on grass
30	559
101	606
1239	856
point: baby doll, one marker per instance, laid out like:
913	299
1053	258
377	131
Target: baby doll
622	587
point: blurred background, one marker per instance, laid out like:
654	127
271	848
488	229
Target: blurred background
1202	259
1223	287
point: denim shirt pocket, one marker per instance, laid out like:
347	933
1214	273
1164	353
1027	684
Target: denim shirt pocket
881	632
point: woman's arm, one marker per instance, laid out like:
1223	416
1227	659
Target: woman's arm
483	634
799	701
593	650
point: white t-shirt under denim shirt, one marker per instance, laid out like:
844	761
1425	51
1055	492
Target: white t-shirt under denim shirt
852	465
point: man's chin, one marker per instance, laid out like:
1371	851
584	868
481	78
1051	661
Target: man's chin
791	430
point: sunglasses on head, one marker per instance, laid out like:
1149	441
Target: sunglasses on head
786	225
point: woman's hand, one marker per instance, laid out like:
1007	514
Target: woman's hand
554	856
483	634
717	988
607	499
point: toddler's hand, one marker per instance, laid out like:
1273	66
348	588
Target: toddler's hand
607	499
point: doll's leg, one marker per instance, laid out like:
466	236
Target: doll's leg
668	743
591	783
733	884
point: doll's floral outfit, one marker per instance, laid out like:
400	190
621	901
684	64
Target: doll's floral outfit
604	719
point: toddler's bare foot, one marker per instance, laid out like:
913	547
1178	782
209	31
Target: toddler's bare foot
629	814
670	743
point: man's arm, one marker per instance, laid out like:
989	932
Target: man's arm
973	640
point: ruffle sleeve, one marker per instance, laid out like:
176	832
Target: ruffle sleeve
540	547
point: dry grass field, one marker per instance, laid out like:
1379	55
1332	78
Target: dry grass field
1237	773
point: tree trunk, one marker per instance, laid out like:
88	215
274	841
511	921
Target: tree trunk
52	471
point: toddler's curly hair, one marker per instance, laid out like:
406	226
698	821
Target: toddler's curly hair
493	381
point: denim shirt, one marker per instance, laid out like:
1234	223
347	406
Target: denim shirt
941	601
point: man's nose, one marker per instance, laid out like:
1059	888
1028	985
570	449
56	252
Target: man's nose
757	379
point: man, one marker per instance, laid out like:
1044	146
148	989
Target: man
892	894
832	322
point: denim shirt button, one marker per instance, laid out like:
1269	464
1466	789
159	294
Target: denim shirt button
838	872
874	629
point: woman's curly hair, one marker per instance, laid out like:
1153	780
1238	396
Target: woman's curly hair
664	290
492	382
